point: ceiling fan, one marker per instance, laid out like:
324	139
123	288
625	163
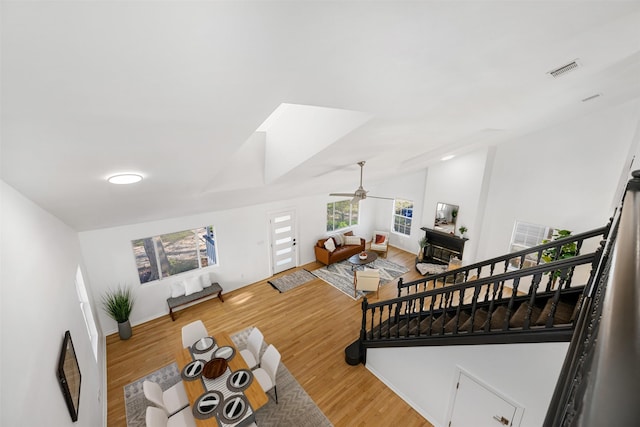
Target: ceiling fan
360	193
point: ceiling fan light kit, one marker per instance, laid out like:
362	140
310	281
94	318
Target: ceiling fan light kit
360	193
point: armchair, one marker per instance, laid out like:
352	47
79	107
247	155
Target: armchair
380	242
367	280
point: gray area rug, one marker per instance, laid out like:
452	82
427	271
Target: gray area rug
294	409
340	275
292	280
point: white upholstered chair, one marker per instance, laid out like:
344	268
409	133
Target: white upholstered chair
171	401
367	280
193	332
156	417
266	373
251	354
380	242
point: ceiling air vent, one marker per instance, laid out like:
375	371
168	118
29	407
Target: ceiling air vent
564	69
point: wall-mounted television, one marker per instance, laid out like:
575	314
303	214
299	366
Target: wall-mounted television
69	376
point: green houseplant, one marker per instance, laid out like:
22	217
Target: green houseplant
463	230
565	251
118	303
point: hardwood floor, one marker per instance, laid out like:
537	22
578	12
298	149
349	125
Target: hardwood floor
310	325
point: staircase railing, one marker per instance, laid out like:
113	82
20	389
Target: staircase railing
415	319
503	264
599	383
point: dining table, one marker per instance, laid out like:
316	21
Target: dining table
198	387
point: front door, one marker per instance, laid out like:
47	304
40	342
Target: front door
478	406
284	253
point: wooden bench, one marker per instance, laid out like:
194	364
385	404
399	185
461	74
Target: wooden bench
175	302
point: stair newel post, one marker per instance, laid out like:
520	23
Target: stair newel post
363	329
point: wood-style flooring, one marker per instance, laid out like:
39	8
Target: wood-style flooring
310	325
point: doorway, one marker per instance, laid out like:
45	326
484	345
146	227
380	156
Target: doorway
476	404
284	253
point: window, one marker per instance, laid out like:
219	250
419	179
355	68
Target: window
403	212
341	214
526	235
168	254
87	312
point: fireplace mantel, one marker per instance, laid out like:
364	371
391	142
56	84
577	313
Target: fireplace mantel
442	246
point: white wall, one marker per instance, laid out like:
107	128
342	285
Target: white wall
562	177
406	187
243	251
40	256
424	376
461	181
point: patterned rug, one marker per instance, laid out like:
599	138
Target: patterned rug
292	280
294	408
340	274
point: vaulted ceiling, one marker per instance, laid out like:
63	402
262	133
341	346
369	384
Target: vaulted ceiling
180	92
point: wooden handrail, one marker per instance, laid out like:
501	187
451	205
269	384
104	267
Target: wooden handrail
466	271
599	383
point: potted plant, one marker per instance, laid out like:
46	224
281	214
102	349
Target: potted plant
118	304
463	231
423	244
566	251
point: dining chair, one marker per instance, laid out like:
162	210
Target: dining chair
156	417
192	332
380	242
266	373
172	400
367	280
251	354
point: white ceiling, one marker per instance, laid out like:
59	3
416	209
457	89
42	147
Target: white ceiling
177	90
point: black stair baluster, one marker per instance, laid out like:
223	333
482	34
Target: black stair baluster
431	305
487	326
458	309
420	316
506	266
476	293
400	288
532	299
554	306
514	293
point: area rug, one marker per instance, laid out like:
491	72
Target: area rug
294	409
292	280
340	275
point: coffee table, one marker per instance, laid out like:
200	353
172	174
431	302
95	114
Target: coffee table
355	261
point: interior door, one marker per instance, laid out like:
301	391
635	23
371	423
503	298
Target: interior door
284	253
475	405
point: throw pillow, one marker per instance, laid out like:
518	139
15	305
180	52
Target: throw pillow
379	239
330	245
205	280
351	240
177	289
348	233
337	239
193	285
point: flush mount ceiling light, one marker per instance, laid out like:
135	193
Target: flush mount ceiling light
449	157
125	178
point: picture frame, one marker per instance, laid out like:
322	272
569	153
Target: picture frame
69	376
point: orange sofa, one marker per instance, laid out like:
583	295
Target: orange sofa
340	253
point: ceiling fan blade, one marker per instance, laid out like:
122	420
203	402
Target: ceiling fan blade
385	198
342	194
